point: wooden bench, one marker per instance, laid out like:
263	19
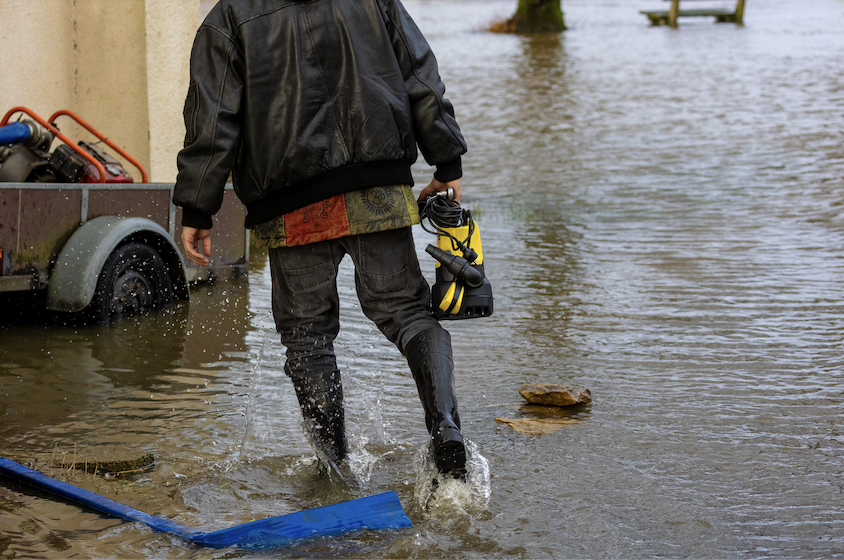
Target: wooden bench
662	17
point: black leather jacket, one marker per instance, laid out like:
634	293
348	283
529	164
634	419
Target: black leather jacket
305	99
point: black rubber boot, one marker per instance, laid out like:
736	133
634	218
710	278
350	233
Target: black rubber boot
429	357
321	400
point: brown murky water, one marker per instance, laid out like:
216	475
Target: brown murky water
663	223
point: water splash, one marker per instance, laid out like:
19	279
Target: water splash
255	382
362	462
439	495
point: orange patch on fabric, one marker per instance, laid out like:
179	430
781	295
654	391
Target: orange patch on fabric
326	219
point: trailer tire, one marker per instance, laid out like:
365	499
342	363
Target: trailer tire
134	280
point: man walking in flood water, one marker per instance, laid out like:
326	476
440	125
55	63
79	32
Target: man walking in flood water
316	107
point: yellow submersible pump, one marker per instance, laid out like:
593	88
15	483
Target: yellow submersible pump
461	289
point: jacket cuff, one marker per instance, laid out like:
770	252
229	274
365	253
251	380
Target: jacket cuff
196	219
449	171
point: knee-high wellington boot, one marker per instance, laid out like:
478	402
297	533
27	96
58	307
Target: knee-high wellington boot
321	400
429	357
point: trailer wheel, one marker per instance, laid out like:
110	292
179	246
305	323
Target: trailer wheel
134	280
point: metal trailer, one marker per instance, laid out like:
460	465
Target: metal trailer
108	249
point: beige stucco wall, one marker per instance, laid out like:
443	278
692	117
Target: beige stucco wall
36	55
122	65
171	27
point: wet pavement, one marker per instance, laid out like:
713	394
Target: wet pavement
662	219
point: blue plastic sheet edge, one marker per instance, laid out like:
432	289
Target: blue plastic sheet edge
382	511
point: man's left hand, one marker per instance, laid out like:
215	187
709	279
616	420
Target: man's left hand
436	186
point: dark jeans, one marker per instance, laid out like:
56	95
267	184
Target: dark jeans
306	307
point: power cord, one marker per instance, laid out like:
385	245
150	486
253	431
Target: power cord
444	214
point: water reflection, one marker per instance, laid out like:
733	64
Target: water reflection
75	370
550	292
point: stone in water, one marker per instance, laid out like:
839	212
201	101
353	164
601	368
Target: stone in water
555	395
108	459
537	426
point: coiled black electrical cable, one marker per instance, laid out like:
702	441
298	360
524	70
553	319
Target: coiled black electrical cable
444	214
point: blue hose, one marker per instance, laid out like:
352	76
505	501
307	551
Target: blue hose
14	133
382	511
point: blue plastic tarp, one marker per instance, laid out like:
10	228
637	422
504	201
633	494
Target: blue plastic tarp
382	511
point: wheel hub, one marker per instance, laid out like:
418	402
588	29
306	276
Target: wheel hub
131	295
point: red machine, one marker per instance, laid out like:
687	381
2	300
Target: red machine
29	159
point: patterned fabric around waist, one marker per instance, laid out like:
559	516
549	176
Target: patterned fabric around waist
363	211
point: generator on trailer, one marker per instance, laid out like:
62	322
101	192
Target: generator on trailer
76	227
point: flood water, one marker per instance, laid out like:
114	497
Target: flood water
662	218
